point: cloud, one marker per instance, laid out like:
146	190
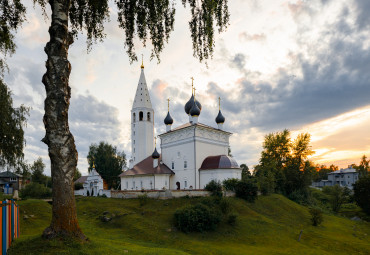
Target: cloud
245	37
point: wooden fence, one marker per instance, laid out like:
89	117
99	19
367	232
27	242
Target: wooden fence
9	224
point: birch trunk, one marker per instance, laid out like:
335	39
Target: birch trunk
62	150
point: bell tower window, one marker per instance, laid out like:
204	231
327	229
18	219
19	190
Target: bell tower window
134	116
148	116
141	116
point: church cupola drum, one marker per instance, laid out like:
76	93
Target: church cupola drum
142	122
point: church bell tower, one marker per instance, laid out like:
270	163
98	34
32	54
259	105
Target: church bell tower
142	123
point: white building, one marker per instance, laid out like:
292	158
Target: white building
192	154
94	185
343	177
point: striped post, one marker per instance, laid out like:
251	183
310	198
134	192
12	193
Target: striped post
13	212
3	239
9	225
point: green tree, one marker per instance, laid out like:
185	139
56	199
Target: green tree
108	161
144	19
37	170
77	174
361	191
337	196
245	171
364	167
12	122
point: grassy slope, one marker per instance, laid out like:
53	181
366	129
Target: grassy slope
269	226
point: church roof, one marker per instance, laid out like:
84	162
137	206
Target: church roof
219	162
145	167
188	124
142	97
82	179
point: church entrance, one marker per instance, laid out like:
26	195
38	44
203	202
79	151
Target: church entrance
178	185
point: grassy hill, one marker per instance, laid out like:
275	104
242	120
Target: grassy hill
269	226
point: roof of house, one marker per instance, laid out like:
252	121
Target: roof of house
8	174
344	171
188	124
145	167
219	162
82	179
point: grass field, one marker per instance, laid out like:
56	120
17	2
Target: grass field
269	226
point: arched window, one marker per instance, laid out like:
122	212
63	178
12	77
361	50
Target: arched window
148	116
134	116
141	116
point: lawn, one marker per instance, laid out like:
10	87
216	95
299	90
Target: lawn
271	225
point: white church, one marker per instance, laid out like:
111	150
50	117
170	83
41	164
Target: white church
191	156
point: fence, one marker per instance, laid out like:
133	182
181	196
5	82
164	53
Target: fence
9	224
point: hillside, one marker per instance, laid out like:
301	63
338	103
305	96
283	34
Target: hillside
269	226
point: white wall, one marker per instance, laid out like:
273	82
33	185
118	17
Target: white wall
218	175
146	182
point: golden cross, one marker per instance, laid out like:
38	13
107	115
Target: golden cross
194	93
155	141
192	81
168	104
219	103
142	59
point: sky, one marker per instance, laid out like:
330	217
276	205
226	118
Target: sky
301	65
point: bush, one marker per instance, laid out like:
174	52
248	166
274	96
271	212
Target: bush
316	216
196	218
35	190
337	196
230	184
247	189
215	188
362	193
231	219
78	186
225	206
301	196
143	199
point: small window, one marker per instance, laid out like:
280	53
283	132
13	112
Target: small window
141	184
348	176
165	183
134	141
178	154
126	185
151	185
186	184
133	185
185	164
148	116
134	150
141	116
134	132
134	117
173	165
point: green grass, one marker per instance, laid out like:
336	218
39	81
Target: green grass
269	226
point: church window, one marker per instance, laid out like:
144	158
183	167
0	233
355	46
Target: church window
141	116
185	164
165	183
178	154
134	150
173	165
148	115
141	184
126	185
151	185
186	184
134	141
133	185
134	117
134	132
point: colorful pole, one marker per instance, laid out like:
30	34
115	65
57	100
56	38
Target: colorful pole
3	240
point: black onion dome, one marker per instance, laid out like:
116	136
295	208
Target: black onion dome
189	104
220	118
155	154
194	111
168	120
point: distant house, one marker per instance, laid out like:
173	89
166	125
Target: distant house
10	181
343	177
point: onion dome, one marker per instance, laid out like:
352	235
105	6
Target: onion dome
155	154
220	118
189	104
168	120
194	111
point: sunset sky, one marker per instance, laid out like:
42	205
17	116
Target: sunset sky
300	65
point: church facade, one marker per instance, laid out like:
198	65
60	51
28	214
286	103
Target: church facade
191	156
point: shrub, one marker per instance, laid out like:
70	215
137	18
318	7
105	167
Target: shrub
247	189
225	206
300	196
78	186
196	218
362	193
230	184
231	219
215	188
316	216
35	190
143	199
337	196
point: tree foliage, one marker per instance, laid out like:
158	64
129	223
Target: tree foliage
337	196
283	164
362	193
12	122
108	161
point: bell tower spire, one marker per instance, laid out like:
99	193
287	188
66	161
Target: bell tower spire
142	122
